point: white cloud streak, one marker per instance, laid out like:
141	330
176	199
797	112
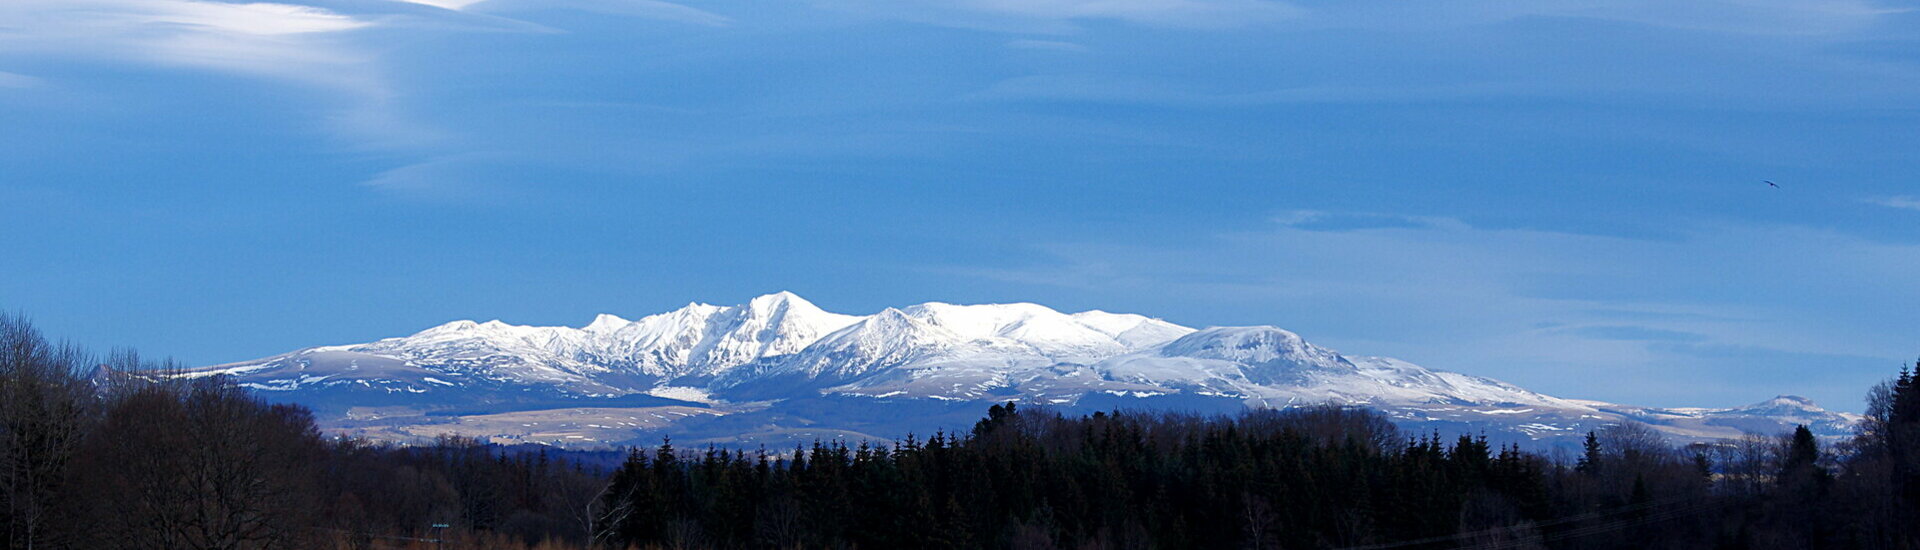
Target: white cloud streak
1759	17
455	5
303	45
261	19
1063	16
1904	203
1105	89
1754	17
1777	17
645	9
1049	45
260	38
1203	13
15	80
468	178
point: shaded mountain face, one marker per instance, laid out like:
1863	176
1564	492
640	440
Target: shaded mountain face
780	367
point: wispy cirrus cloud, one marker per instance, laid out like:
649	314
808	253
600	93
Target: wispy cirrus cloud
1634	333
455	5
1056	16
15	80
336	51
1778	17
474	179
1049	45
1755	17
1152	12
1901	202
303	45
455	178
647	9
1761	17
281	40
1108	89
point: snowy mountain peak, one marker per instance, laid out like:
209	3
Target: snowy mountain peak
1045	332
1131	330
604	323
768	326
883	340
978	321
781	299
1792	400
462	325
895	325
1114	324
1782	405
1260	344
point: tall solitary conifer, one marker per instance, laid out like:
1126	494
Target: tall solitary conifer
1590	462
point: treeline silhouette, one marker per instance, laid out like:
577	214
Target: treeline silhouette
165	462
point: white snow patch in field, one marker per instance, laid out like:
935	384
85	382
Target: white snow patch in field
682	393
1506	411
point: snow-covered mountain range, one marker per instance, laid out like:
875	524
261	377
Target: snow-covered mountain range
778	363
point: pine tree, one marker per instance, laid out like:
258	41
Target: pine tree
1902	439
1803	456
1906	397
1590	462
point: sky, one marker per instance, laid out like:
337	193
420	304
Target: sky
1564	194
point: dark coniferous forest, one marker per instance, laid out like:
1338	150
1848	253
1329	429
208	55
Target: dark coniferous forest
166	463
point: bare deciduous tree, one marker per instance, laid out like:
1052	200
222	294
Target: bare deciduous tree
43	408
202	465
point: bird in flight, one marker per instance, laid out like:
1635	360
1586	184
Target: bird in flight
1772	184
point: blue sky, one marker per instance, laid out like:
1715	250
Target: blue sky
1562	194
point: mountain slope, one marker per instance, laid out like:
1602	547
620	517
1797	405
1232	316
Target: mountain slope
779	354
